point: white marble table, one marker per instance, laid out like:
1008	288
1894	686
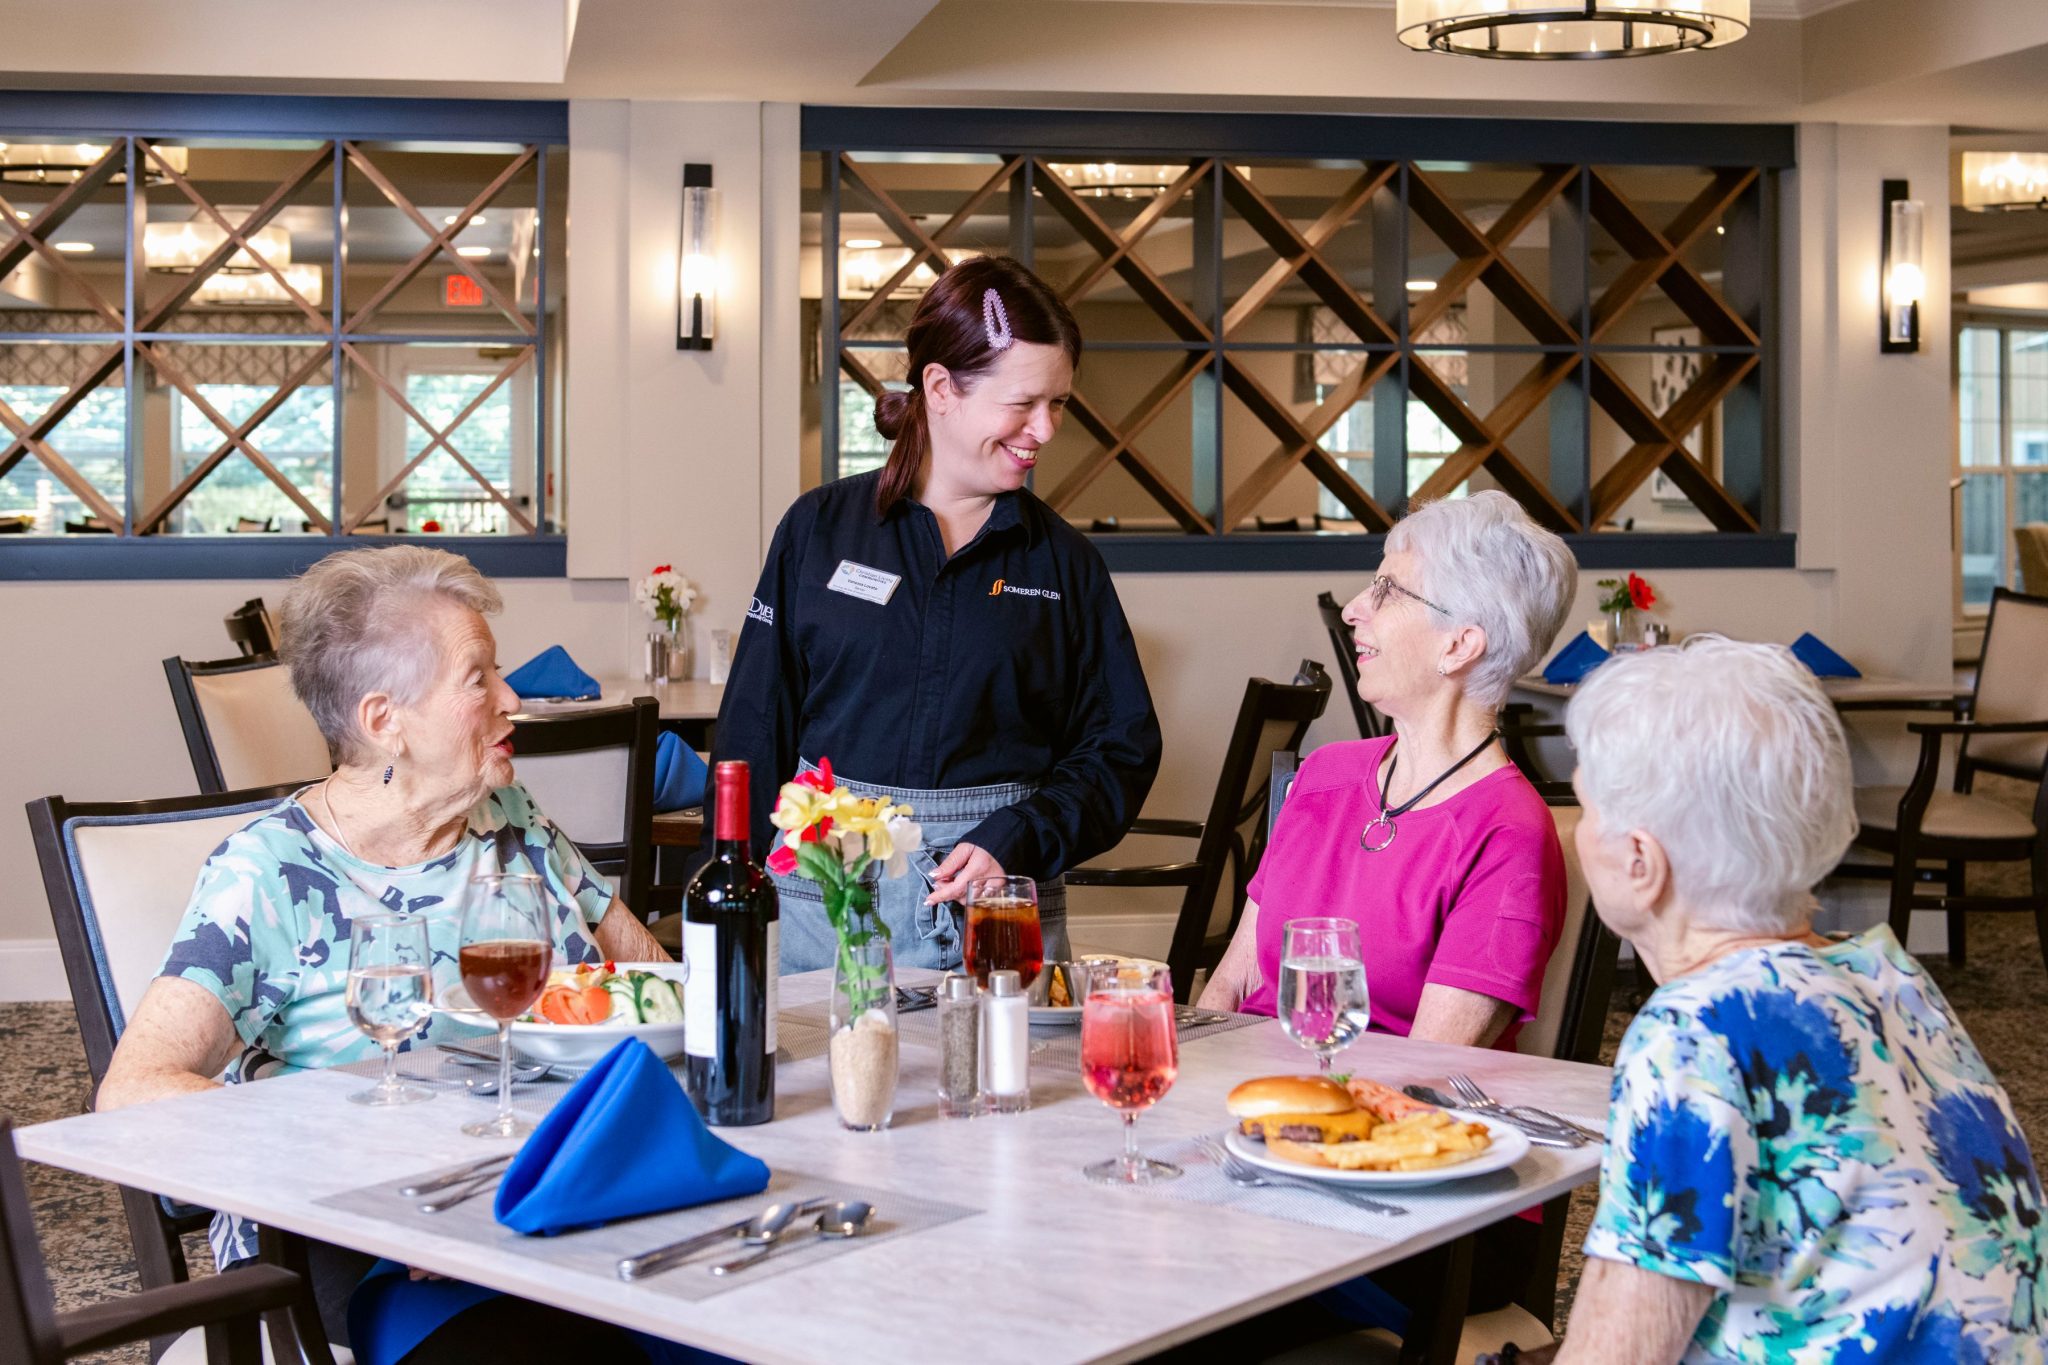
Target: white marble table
1869	688
1053	1269
685	699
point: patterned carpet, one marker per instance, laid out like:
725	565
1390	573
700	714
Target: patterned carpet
1998	994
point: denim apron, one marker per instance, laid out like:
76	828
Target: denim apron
921	935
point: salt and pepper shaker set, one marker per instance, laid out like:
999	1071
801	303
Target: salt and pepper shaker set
984	1046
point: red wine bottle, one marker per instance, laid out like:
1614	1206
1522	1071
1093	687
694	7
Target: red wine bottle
731	941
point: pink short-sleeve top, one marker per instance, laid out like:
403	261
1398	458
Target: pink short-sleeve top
1469	894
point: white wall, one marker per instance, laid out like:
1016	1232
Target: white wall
690	458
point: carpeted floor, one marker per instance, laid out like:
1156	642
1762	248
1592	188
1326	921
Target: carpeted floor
1999	995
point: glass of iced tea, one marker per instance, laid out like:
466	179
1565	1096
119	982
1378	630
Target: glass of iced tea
1002	929
1129	1058
506	953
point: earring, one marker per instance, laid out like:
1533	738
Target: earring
1441	671
387	774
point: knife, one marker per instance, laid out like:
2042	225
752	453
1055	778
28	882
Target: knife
661	1258
1541	1136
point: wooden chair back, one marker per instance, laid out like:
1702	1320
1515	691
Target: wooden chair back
2031	542
243	725
28	1313
2012	685
1371	724
592	773
252	630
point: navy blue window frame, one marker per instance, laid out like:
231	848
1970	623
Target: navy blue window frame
70	116
1131	137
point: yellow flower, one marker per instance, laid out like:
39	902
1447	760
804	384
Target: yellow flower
801	807
871	819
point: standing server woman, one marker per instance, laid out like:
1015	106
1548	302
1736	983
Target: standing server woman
945	638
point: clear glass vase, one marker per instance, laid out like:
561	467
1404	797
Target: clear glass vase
1622	628
679	650
864	1038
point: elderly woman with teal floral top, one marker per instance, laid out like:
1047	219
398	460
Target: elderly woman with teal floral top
1807	1158
389	650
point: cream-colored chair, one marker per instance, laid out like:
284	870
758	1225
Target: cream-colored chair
2007	734
244	727
118	877
592	773
2031	543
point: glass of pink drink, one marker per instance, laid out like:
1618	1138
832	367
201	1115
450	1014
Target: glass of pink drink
1129	1057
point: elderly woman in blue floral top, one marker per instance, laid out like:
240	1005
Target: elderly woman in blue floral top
1808	1159
389	650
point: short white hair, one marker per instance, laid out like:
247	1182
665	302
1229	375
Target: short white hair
357	623
1486	562
1731	757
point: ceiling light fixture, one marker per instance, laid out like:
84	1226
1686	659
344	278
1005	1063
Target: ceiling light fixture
60	163
74	248
1117	180
477	221
863	243
260	290
1421	286
181	248
473	252
1996	182
1560	30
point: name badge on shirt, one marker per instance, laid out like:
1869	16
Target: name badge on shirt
869	585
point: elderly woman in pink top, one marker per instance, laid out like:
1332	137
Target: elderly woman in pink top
1431	840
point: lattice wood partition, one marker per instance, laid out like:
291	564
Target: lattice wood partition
34	236
1657	259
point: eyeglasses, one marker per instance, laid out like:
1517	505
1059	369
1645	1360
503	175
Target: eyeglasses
1382	585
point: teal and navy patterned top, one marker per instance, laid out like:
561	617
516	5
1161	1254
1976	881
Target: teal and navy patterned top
1810	1132
267	933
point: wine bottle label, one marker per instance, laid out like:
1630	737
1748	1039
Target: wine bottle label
774	978
700	993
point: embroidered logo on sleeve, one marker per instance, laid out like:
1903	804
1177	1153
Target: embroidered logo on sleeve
1002	586
761	611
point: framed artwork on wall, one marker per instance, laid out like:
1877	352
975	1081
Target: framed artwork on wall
1671	374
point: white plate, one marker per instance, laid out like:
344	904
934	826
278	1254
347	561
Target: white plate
1509	1146
583	1045
1055	1016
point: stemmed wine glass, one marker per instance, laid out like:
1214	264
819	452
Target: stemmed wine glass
1323	1000
1129	1058
505	960
390	993
1003	933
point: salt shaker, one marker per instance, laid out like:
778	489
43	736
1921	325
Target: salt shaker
1005	1046
959	1047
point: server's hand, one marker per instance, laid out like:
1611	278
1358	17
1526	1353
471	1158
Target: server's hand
963	866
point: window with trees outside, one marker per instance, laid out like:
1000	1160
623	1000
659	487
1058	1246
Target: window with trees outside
2001	453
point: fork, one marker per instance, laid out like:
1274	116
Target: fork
1475	1098
1245	1176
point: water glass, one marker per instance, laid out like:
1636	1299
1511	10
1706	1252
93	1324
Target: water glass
1129	1058
390	994
1323	1002
1003	933
506	953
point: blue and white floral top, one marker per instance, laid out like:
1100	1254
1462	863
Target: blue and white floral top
1810	1132
267	933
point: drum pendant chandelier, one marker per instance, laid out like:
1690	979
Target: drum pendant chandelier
1562	30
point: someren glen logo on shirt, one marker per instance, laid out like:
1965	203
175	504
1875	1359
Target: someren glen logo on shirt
1001	586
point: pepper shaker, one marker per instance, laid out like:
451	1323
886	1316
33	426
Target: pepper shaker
1005	1046
959	1047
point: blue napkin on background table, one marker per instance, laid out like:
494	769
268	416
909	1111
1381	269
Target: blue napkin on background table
1575	660
1824	662
680	776
552	673
624	1141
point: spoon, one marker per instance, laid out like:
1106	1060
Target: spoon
488	1085
760	1230
848	1218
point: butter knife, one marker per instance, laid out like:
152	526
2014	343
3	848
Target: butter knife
1541	1135
661	1258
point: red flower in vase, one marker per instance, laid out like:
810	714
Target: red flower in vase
664	568
1640	594
782	862
430	525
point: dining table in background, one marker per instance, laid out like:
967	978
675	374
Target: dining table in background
684	699
1033	1264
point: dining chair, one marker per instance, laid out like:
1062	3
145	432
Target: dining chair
1231	840
2030	542
1371	724
1519	724
243	725
2001	728
592	773
223	1311
252	629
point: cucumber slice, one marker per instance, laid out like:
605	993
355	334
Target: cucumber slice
660	1003
625	1007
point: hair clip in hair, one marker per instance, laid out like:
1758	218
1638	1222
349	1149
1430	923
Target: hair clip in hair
996	320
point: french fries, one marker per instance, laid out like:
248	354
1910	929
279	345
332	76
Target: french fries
1421	1141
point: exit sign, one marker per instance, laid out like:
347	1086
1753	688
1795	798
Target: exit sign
460	291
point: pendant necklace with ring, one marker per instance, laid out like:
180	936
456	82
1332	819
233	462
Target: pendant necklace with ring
1389	813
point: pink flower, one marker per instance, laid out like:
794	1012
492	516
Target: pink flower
782	862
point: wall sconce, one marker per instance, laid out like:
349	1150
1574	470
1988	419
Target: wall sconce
697	270
1904	283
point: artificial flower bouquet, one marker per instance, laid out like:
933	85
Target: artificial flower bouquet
665	595
1632	593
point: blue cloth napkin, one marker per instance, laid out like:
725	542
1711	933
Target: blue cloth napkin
623	1142
680	776
1575	660
552	673
1824	662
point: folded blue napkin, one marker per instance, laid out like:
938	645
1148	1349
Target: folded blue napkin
623	1142
1575	660
552	673
680	775
1824	662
